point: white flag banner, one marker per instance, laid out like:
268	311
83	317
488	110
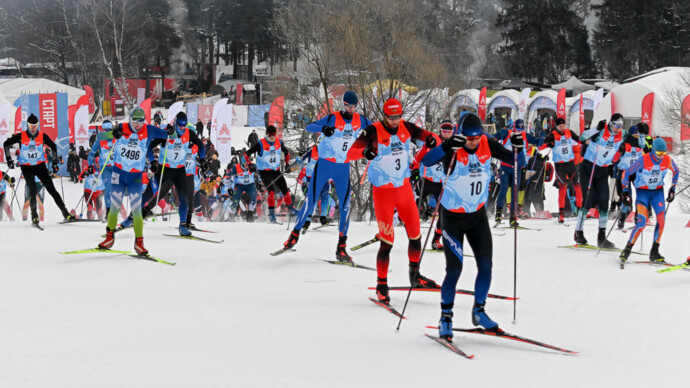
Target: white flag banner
522	105
6	112
223	131
598	96
173	111
81	127
141	95
216	108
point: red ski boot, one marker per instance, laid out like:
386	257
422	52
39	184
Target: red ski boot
139	246
109	239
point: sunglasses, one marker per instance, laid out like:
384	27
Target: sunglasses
473	138
271	135
660	153
617	125
394	117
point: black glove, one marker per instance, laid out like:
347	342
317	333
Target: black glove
90	170
611	171
117	132
56	167
430	142
414	175
625	198
154	166
517	141
370	152
671	194
455	142
328	131
170	129
202	163
252	168
231	192
10	163
12	182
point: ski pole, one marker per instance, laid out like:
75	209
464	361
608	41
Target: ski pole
14	195
618	211
112	147
160	182
516	151
431	228
290	215
583	212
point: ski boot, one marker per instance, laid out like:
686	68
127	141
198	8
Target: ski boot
127	223
183	230
419	281
602	242
436	242
68	217
250	216
306	225
580	237
323	220
521	212
139	246
190	226
382	291
34	219
340	253
513	221
654	255
480	318
445	325
621	221
272	216
561	216
499	215
626	252
292	240
109	239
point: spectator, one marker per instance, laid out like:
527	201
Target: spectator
73	166
214	164
253	138
200	129
92	139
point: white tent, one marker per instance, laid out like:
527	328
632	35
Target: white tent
573	109
508	98
573	84
542	102
467	99
664	83
14	88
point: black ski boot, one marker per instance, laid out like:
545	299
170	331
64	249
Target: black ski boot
602	242
580	237
323	220
626	252
382	291
68	217
513	221
340	253
654	255
419	281
250	216
499	215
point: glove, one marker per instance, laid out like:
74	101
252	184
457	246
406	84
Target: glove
170	130
625	198
611	171
287	169
154	166
56	167
517	141
430	142
117	132
231	192
414	175
252	168
10	163
370	152
328	131
90	170
202	163
671	194
455	142
12	180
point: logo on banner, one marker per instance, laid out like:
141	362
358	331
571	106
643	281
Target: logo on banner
561	109
3	124
81	130
646	117
224	130
482	101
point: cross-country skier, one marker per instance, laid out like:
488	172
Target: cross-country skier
340	130
561	141
267	152
5	207
309	160
93	188
131	144
244	175
32	161
194	161
463	213
101	147
602	144
386	144
649	173
628	153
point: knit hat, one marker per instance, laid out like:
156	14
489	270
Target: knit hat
32	119
633	130
271	129
350	97
659	145
560	121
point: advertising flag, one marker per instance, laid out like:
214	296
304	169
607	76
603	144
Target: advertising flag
481	112
647	111
560	104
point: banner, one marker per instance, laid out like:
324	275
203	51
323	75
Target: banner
238	95
482	104
598	96
648	111
582	115
92	101
192	112
258	115
146	106
214	119
239	115
81	127
275	114
205	115
614	107
47	108
5	114
522	106
18	120
223	134
174	110
83	100
62	139
71	110
685	119
141	95
560	104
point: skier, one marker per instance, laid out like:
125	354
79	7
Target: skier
339	131
5	207
244	175
463	213
32	160
268	163
602	144
194	160
649	173
506	177
309	160
628	153
102	147
131	143
561	141
386	144
93	188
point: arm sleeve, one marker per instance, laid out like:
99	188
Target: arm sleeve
434	156
575	136
549	141
637	166
317	126
368	136
92	154
676	173
14	139
417	133
155	143
50	143
254	149
503	154
195	139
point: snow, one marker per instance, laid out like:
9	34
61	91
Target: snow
232	315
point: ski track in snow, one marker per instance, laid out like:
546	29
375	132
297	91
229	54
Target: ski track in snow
231	315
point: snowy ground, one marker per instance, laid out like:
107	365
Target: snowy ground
232	315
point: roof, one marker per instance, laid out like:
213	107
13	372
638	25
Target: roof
575	85
14	88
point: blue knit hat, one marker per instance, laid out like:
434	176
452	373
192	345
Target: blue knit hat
470	124
659	145
633	130
350	97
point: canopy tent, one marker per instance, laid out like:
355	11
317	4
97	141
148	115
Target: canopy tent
512	84
467	99
666	85
14	88
573	108
573	85
606	85
504	99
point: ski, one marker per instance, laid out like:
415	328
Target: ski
195	229
276	222
150	258
37	226
448	344
657	263
587	246
323	226
364	244
674	268
77	220
349	264
195	238
438	289
92	250
281	251
502	334
499	234
520	228
388	307
441	251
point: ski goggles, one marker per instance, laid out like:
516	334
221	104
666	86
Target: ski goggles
394	117
617	124
107	126
473	138
660	153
